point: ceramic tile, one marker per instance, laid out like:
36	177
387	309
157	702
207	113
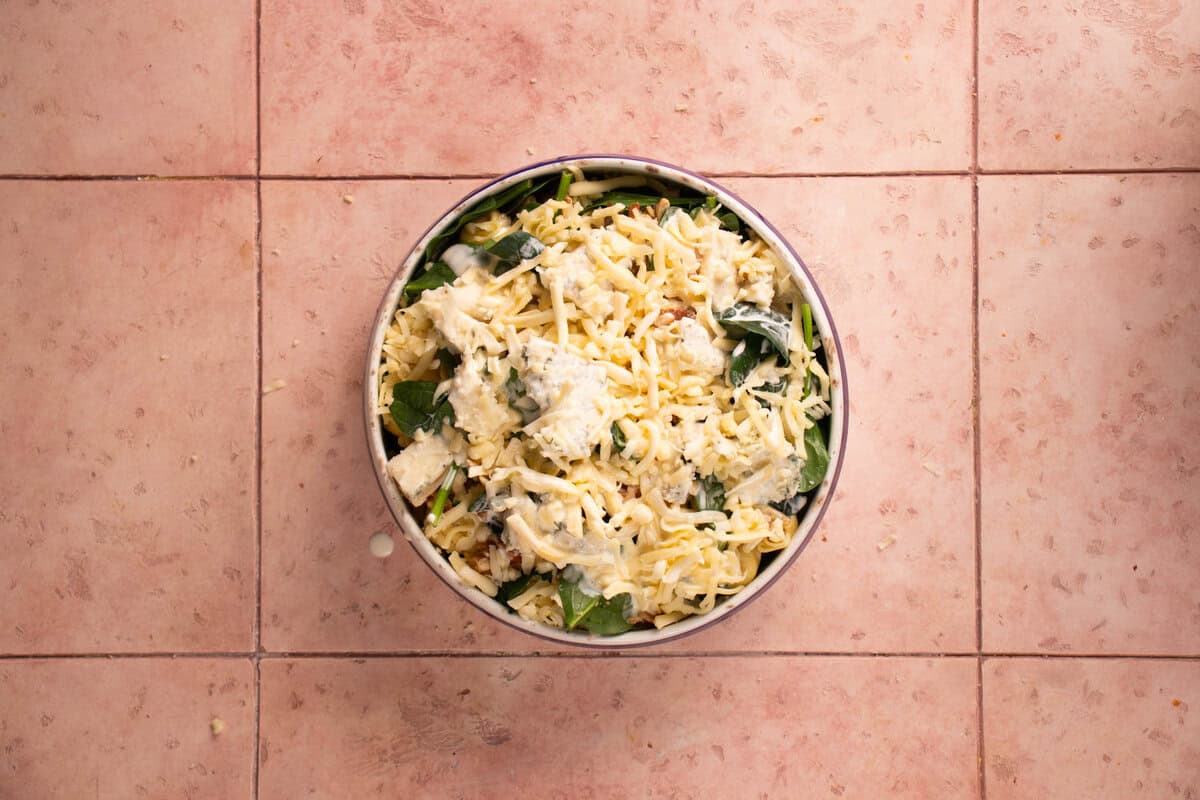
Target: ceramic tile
760	87
116	729
624	727
163	88
329	250
1090	382
1102	84
1091	728
892	566
128	379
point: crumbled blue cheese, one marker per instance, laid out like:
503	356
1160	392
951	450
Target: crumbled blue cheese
420	467
696	350
458	313
571	393
577	276
477	408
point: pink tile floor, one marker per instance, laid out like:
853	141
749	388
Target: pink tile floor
198	199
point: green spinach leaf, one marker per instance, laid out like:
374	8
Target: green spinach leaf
511	196
605	617
748	354
748	318
437	275
576	603
515	248
710	496
414	408
517	587
618	437
610	617
817	460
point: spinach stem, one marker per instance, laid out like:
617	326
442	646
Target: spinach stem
439	500
564	182
806	321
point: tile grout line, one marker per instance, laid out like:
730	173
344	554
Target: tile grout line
258	526
976	396
973	170
641	653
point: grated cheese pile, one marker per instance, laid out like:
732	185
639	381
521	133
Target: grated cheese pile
611	331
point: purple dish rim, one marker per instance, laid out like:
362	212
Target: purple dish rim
493	608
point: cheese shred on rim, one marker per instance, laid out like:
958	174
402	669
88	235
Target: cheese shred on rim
608	411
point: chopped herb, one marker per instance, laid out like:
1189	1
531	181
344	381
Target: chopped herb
414	408
439	274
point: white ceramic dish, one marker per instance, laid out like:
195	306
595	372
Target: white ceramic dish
813	513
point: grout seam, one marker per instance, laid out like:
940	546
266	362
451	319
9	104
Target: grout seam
263	655
976	396
974	170
258	528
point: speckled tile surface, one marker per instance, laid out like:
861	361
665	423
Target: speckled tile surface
1090	361
458	728
1104	729
1002	600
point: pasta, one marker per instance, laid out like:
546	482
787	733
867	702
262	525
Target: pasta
609	404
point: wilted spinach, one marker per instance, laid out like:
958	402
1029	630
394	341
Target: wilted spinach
510	197
746	355
605	617
747	318
437	275
515	248
618	437
817	460
710	496
414	408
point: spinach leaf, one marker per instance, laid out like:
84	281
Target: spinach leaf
730	221
516	587
414	408
817	460
437	275
515	248
711	494
618	437
605	617
793	505
748	318
509	197
448	360
576	603
746	355
479	504
666	215
610	617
